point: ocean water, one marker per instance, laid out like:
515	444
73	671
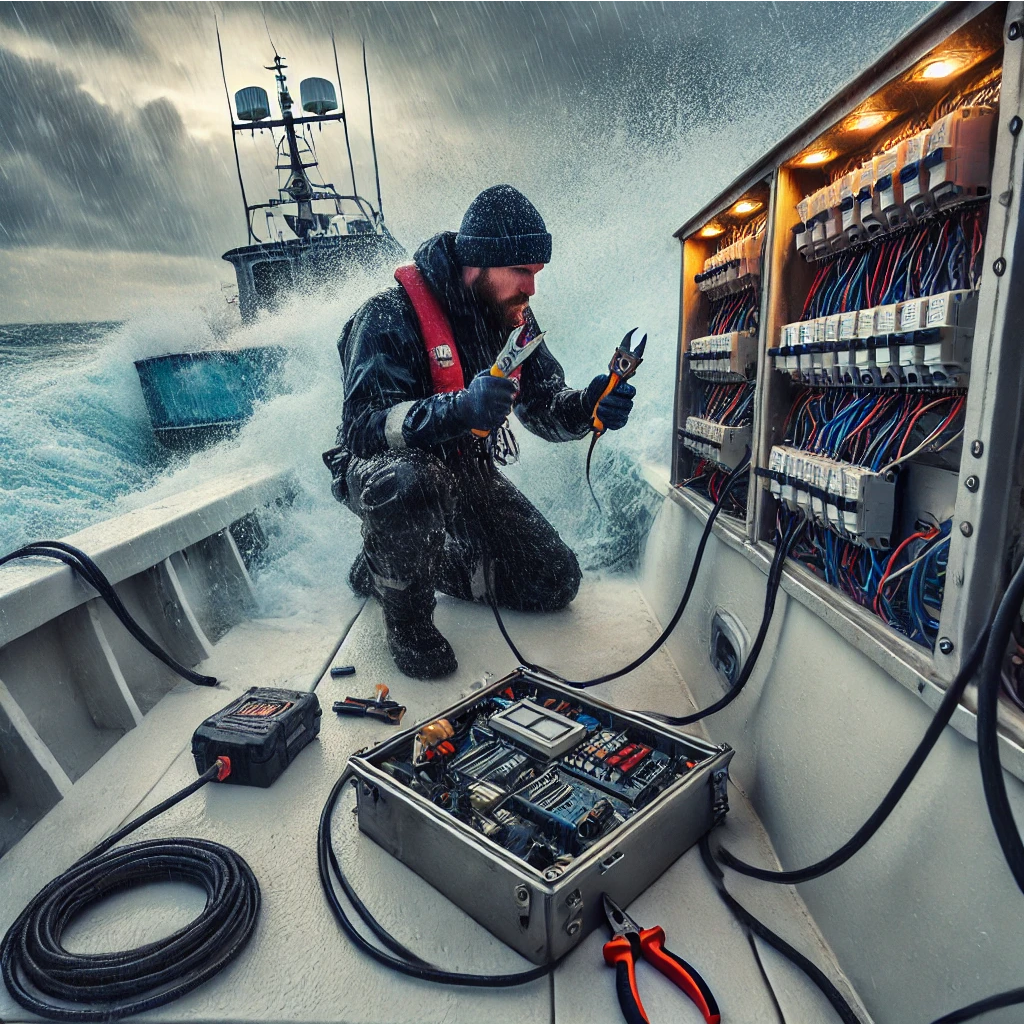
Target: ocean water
76	445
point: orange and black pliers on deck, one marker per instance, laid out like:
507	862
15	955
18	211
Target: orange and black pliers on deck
628	944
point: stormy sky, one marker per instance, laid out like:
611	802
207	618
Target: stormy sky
117	178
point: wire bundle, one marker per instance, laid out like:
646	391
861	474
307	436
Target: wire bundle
903	587
737	312
709	479
730	404
942	255
733	406
871	429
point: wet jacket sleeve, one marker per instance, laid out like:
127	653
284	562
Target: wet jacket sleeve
547	407
388	401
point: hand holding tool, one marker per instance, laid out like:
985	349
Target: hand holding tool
623	365
518	346
630	942
379	707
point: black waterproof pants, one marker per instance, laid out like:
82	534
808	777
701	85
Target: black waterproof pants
425	522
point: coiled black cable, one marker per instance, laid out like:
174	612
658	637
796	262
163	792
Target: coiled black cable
79	562
404	960
37	969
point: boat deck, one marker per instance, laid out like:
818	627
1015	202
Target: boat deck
298	966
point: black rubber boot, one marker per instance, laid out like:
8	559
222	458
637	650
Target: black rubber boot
415	642
360	579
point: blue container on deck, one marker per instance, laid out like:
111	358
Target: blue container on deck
197	398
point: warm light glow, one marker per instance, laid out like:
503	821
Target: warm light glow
711	231
862	122
819	156
746	206
940	69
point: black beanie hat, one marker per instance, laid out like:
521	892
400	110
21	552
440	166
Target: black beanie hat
502	228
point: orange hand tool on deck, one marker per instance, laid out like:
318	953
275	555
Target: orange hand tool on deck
630	943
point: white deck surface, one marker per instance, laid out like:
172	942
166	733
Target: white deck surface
298	966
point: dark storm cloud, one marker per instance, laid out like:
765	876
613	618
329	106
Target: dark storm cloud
107	25
533	87
76	173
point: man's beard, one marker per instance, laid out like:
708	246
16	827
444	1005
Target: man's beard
499	315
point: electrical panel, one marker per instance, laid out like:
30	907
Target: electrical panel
527	801
720	346
875	267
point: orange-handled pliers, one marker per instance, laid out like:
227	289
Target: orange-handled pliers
628	944
623	365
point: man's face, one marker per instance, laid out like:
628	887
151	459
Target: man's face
504	291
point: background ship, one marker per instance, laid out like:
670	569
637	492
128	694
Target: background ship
197	398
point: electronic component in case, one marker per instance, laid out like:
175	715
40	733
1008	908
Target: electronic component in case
851	500
539	728
260	733
524	841
716	442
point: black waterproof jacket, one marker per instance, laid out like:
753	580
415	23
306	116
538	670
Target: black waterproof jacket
389	399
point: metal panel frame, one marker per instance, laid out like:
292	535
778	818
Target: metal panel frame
986	517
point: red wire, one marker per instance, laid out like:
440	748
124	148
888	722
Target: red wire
920	535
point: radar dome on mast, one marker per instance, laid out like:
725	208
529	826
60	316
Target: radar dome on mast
252	103
318	95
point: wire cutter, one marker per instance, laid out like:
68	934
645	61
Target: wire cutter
630	942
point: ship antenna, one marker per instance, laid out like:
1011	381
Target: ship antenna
234	140
263	11
344	116
373	143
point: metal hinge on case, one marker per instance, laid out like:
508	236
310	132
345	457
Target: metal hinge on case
719	795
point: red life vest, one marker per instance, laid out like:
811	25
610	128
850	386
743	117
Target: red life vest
436	330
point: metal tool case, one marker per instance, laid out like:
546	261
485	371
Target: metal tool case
543	914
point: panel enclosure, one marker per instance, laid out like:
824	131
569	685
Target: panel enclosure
906	178
542	913
720	343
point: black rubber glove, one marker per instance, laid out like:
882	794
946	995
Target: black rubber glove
615	408
487	402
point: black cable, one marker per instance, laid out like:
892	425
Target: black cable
79	562
733	478
992	771
782	548
404	961
37	969
831	993
822	867
590	455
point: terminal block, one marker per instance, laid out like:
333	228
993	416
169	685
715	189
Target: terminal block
853	501
922	342
724	357
958	157
716	442
732	268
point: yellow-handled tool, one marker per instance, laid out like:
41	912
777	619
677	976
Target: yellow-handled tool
517	348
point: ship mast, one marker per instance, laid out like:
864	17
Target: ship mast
318	97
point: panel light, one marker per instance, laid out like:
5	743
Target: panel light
746	206
711	231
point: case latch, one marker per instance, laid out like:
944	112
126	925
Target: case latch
719	795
